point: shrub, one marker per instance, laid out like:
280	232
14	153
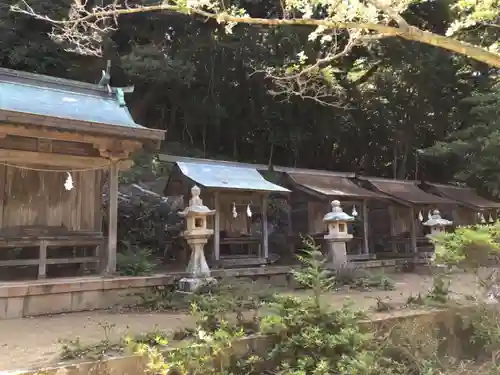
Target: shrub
135	262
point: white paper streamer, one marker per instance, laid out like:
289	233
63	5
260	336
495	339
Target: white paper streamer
68	184
235	213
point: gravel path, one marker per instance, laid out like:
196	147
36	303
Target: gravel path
29	342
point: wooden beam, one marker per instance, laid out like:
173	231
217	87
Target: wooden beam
61	161
34	132
113	218
265	229
392	228
216	254
365	227
104	144
57	160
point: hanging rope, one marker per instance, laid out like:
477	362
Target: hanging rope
54	170
69	183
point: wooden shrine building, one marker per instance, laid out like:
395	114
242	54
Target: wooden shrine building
400	224
471	209
310	201
239	195
59	140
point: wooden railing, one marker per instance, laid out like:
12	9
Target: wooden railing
44	243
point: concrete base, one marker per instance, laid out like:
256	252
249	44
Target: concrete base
55	296
192	284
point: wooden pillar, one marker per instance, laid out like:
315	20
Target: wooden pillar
216	254
413	230
365	227
392	228
265	229
42	261
291	237
112	217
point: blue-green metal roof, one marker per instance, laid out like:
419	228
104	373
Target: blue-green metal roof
225	176
34	94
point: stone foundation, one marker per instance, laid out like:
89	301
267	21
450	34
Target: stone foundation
55	296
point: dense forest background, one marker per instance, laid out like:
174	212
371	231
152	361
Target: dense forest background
394	108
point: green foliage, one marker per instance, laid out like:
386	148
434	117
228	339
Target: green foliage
308	337
361	279
75	349
317	273
163	298
134	262
305	336
314	275
440	288
473	17
316	339
486	329
473	148
146	166
467	247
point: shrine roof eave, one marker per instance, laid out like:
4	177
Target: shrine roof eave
220	176
63	124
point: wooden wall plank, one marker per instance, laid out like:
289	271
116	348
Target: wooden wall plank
39	198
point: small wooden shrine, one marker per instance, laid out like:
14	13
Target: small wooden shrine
239	195
471	209
58	138
404	233
312	194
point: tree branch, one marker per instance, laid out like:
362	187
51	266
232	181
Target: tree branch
394	14
409	33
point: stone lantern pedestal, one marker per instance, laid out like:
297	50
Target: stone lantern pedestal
196	235
337	236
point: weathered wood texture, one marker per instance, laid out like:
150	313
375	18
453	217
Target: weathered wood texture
242	223
30	198
465	216
37	212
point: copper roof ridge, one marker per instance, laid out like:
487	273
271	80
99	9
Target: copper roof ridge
42	78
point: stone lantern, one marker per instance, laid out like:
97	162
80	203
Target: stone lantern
437	224
337	236
197	235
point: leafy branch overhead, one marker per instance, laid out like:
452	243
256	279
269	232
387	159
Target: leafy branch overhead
364	21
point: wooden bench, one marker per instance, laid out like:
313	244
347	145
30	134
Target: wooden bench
44	241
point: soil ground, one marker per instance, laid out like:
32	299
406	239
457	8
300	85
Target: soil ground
34	342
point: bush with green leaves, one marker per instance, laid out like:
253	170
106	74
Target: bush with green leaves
349	275
305	336
468	247
308	337
135	262
472	249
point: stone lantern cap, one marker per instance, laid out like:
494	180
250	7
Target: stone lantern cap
337	214
437	221
196	206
